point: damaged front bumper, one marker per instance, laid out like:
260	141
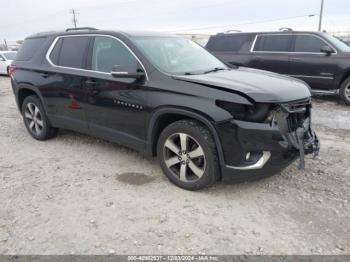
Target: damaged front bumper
305	141
253	150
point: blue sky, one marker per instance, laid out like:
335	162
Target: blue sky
20	18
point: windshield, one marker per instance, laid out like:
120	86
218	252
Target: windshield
178	55
9	55
338	43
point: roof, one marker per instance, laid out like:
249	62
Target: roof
107	32
271	32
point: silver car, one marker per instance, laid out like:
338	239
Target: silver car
6	58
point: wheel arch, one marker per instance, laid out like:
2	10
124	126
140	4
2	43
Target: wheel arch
25	90
345	75
165	116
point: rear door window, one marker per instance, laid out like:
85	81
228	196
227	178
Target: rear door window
231	43
72	51
29	48
273	43
308	44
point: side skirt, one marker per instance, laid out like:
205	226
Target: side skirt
105	133
118	137
332	92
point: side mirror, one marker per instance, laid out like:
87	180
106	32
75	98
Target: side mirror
120	71
327	50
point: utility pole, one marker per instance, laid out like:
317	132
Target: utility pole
6	46
321	16
74	20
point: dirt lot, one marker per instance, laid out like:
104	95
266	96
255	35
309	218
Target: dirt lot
78	195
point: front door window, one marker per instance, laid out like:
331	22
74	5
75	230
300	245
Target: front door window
109	52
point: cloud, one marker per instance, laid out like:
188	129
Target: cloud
21	17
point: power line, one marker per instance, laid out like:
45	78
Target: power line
74	20
248	23
37	18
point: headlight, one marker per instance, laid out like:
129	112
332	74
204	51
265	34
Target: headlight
278	117
256	113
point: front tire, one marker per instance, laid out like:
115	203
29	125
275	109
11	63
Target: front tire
187	154
35	119
344	91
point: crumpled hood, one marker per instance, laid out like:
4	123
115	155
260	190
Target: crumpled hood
261	86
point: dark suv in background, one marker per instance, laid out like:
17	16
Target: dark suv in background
319	59
167	96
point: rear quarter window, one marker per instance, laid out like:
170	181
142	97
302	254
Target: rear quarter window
227	43
54	56
29	48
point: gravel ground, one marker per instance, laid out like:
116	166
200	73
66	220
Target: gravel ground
79	195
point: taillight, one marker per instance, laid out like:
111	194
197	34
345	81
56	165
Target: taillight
12	69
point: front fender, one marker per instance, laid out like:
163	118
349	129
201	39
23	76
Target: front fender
157	114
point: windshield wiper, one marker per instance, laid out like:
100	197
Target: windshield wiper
205	72
214	70
189	73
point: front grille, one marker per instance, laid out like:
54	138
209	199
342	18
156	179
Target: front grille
298	114
296	120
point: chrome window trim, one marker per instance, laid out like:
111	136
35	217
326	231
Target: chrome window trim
49	51
307	76
291	52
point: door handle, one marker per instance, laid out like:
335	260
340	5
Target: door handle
91	83
297	59
44	75
95	91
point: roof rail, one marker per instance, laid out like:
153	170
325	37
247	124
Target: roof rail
229	32
285	29
233	31
80	29
43	33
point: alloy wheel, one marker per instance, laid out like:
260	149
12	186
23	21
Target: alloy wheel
184	157
34	119
347	92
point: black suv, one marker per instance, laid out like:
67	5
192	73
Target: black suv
165	96
319	59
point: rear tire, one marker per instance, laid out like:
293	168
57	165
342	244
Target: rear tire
35	119
344	91
187	154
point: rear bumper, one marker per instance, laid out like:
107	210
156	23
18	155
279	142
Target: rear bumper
257	150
